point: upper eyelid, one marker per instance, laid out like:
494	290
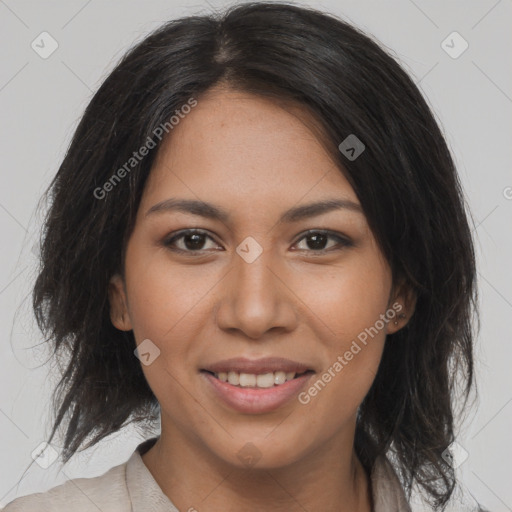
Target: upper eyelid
181	233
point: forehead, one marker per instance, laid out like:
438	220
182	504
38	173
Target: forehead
244	148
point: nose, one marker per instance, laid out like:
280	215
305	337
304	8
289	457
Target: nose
257	297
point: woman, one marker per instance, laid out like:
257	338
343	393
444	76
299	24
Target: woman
258	234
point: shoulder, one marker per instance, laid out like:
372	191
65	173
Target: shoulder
105	492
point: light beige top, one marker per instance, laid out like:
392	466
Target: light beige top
130	487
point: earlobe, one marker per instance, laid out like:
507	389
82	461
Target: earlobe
117	298
398	322
404	303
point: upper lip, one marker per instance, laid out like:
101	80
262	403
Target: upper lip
257	366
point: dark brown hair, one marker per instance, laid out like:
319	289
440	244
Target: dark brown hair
405	180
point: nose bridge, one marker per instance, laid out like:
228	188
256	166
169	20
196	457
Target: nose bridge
254	279
254	300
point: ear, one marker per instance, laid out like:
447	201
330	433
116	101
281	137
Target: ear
403	302
118	310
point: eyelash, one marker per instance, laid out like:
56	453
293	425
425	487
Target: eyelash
343	242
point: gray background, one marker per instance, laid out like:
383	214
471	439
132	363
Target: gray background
41	101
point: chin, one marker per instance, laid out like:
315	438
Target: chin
261	452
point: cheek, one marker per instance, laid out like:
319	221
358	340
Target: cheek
336	392
348	298
165	299
165	306
349	303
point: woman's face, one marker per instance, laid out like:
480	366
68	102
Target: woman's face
253	293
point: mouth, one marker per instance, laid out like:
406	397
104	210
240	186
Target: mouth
255	386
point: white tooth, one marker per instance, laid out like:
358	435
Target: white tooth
234	378
223	376
290	375
279	378
265	381
247	379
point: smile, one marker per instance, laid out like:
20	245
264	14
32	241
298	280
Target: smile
255	386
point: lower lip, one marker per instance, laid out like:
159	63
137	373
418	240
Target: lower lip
256	400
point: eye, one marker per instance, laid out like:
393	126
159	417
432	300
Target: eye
192	240
316	241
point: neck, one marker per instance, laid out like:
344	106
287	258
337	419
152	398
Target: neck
332	479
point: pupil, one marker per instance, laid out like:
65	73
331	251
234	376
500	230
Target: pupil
197	243
316	244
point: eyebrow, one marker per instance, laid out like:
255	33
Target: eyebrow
213	212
